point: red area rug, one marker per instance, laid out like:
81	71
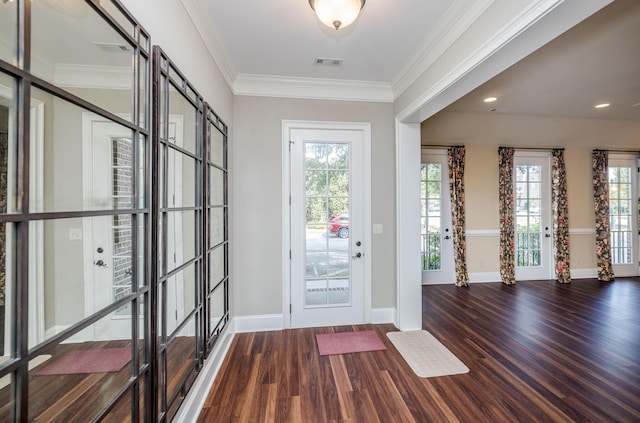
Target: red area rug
349	342
88	361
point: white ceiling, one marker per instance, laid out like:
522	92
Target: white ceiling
597	61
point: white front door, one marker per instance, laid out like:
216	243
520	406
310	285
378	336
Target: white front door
533	231
327	227
438	266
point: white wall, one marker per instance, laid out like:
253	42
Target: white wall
257	208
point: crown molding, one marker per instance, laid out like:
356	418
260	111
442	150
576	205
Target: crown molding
456	20
211	39
312	88
93	76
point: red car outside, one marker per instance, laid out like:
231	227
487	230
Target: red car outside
339	225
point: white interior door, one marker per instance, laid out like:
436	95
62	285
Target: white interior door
438	266
533	231
327	227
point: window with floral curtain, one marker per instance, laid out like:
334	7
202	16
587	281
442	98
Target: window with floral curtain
560	216
600	160
456	191
506	210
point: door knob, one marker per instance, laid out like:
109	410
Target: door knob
100	263
447	237
358	255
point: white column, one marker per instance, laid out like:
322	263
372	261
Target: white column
409	286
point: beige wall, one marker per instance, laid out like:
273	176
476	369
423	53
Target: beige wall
257	202
483	133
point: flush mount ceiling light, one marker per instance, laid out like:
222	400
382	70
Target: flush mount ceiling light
490	99
337	13
602	105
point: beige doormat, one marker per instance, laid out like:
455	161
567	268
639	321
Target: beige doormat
4	381
426	356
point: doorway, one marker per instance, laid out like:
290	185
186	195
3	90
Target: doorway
328	224
533	232
436	233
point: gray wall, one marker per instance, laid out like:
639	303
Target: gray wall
256	168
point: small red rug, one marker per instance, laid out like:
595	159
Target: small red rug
88	361
349	342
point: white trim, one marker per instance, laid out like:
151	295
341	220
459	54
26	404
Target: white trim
287	126
312	88
94	76
383	315
455	21
194	402
258	323
211	39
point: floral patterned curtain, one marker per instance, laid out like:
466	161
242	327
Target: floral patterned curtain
560	216
506	209
456	191
600	161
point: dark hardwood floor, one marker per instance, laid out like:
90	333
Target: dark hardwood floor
537	352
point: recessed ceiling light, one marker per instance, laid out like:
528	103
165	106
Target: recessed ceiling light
602	105
490	99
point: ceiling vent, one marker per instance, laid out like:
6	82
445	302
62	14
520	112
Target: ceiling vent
325	61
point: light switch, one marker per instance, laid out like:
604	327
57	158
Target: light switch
377	228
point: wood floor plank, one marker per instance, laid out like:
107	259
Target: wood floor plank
537	351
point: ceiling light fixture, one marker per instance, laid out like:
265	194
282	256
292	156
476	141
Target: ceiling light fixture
337	13
490	99
602	105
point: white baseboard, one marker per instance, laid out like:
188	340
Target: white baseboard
584	273
383	315
258	323
193	403
481	277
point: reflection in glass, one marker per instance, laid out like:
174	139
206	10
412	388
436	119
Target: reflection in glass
217	146
84	262
183	113
181	354
181	174
7	242
8	150
217	186
181	231
101	368
87	163
180	297
216	266
8	32
528	226
216	226
216	308
621	212
124	21
89	58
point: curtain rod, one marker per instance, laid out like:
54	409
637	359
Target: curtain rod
439	146
618	151
534	148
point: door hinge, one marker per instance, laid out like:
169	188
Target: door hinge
290	308
289	254
289	200
290	144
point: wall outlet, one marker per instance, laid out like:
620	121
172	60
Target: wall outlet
377	228
75	233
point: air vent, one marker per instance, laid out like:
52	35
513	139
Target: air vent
112	46
497	110
325	61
